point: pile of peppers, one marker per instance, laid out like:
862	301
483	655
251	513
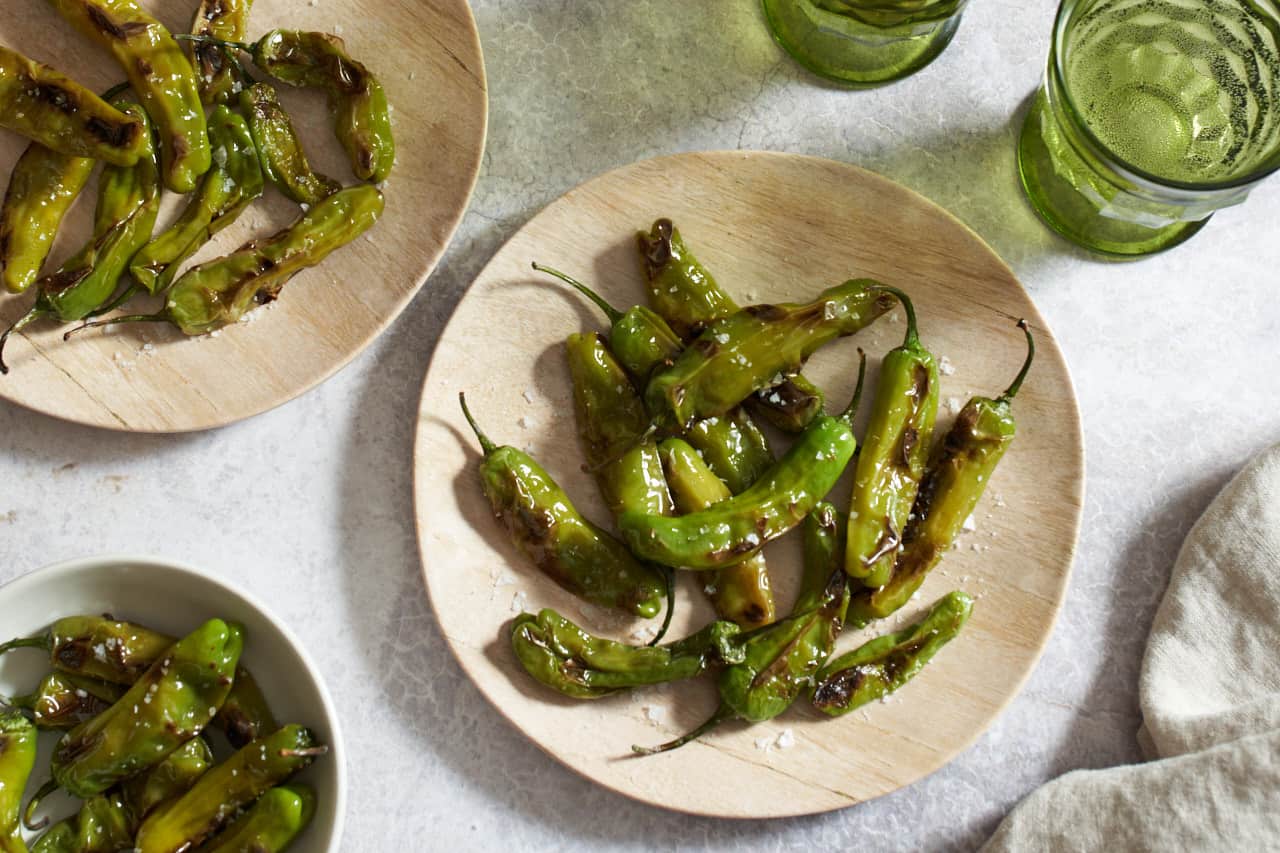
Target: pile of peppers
134	710
194	122
666	400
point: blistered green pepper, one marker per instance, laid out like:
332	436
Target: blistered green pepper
688	297
279	816
280	152
233	182
740	593
893	456
161	75
733	530
245	715
879	667
756	348
181	824
42	188
823	535
543	523
227	20
17	758
168	779
64	701
63	116
956	477
562	656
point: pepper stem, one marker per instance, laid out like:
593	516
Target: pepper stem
485	444
612	313
204	39
669	575
308	752
912	338
852	408
124	297
34	314
724	712
25	643
45	790
111	321
1026	365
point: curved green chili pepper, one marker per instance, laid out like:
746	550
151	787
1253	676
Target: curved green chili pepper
168	779
227	20
43	186
955	480
733	530
570	550
279	816
161	75
63	116
17	758
183	823
245	715
688	297
280	152
740	593
823	535
879	667
64	701
756	348
233	182
562	656
893	456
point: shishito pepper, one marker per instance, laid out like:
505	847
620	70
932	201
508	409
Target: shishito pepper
64	701
63	116
543	523
161	75
956	477
227	20
733	530
740	593
879	667
893	455
276	819
754	348
823	535
42	187
688	297
280	152
230	185
562	656
182	823
17	758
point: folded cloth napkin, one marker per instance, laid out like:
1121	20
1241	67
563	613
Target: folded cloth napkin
1210	697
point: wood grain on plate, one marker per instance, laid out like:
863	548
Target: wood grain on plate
771	228
427	55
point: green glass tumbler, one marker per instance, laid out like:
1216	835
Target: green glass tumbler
863	43
1153	115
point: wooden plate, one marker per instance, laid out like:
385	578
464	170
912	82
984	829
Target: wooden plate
771	227
152	378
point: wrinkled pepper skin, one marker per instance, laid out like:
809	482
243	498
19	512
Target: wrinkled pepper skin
227	20
17	758
956	477
280	152
879	667
159	72
733	447
823	535
279	816
245	716
562	656
42	187
183	823
65	701
543	523
740	593
756	348
894	453
63	116
361	117
170	704
231	184
168	779
686	295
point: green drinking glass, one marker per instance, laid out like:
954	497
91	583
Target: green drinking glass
863	43
1153	115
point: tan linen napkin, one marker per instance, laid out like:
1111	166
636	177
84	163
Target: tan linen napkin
1210	697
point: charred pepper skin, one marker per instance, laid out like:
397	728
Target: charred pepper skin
742	592
894	453
227	20
956	477
17	758
63	701
747	351
42	187
279	816
280	152
688	297
53	110
562	656
881	666
543	523
823	535
181	824
159	72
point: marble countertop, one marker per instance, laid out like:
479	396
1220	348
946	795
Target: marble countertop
310	506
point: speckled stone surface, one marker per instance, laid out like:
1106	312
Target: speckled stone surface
1174	357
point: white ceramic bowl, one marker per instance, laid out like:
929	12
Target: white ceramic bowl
176	598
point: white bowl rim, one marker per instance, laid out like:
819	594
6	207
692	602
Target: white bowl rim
337	749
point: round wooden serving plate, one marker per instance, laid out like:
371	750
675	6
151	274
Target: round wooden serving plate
770	227
152	378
